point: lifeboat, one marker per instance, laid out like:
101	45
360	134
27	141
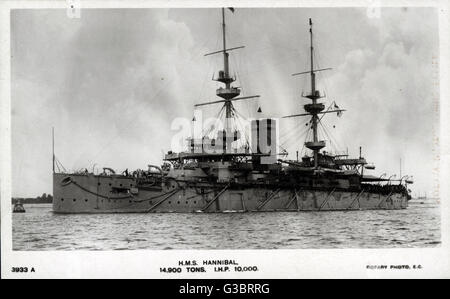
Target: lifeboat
18	208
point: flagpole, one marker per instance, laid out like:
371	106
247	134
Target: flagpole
53	149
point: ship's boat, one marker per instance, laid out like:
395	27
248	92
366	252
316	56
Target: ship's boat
18	208
223	171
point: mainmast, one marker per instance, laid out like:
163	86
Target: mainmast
313	75
225	53
315	108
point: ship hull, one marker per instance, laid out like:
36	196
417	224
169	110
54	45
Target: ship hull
95	194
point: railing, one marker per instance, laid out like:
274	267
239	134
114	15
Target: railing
231	90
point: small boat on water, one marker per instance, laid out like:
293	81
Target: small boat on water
18	208
422	197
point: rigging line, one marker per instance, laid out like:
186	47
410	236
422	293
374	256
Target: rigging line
163	88
221	123
239	114
288	146
295	128
323	124
321	127
200	96
305	83
325	78
290	129
284	150
321	78
293	133
322	134
318	61
234	119
60	164
247	135
300	128
238	119
210	64
127	127
328	88
302	132
289	133
330	137
214	125
218	125
288	137
248	85
333	141
291	141
306	138
325	134
329	107
243	86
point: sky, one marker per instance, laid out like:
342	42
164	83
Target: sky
112	81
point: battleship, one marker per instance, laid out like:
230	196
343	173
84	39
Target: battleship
228	172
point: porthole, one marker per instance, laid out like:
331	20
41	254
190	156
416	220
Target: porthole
129	201
187	202
62	199
195	201
98	183
120	185
170	202
131	185
178	202
86	200
74	199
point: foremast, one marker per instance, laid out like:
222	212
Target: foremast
228	93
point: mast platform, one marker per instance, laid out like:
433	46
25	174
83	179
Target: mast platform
228	93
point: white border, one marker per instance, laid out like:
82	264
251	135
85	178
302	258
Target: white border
281	263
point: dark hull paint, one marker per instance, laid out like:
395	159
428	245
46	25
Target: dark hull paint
93	194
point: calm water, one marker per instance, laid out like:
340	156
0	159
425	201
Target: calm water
40	229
